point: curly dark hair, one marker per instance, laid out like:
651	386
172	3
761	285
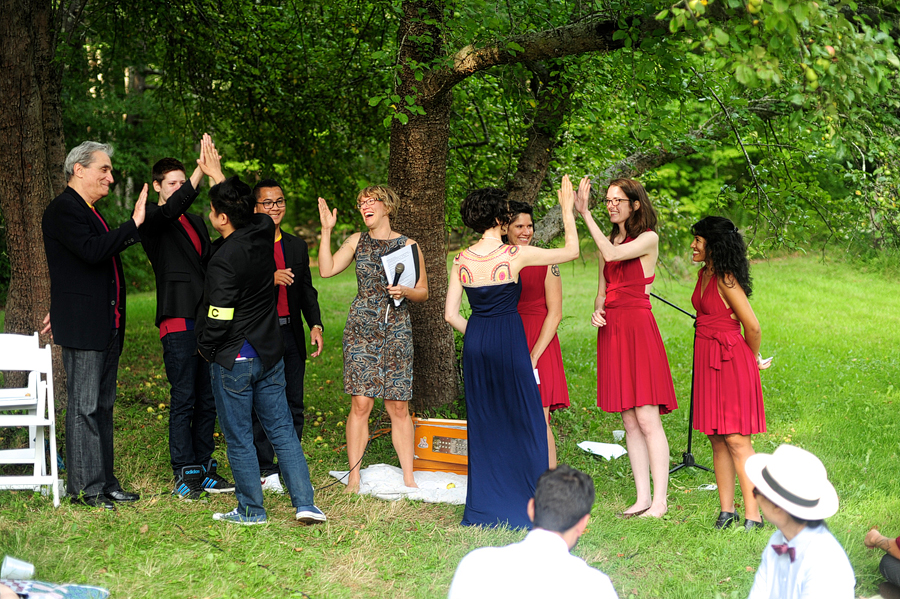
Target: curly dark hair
726	252
643	217
485	208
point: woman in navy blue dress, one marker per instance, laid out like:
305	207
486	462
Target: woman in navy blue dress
506	429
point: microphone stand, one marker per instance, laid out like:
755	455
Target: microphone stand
687	458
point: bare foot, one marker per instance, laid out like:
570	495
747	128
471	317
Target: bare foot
410	483
655	512
352	485
638	507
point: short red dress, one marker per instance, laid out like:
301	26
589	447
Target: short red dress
727	391
533	310
632	367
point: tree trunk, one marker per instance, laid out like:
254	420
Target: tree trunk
553	96
417	171
31	159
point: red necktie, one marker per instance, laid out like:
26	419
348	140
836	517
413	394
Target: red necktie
782	549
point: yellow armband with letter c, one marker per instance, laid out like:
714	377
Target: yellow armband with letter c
220	313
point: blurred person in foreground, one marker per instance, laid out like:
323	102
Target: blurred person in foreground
540	566
802	560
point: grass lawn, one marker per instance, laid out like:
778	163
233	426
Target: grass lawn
833	389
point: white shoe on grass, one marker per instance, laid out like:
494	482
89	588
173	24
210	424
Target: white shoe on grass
272	484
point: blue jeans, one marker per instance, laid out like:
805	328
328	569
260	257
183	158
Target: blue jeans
294	370
248	387
192	412
91	384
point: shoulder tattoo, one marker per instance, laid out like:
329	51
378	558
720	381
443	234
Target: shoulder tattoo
554	270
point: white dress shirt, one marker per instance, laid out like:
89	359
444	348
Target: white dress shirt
820	569
540	566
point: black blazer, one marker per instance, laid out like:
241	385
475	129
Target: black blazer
82	257
302	297
239	297
177	265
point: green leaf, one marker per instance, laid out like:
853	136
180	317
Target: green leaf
375	100
387	121
780	5
514	46
402	117
662	15
721	36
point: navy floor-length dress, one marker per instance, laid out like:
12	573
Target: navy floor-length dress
506	428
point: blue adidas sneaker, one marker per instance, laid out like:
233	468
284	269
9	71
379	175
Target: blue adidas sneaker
212	482
189	483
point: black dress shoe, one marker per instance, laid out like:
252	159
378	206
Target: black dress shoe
94	501
121	495
726	519
753	524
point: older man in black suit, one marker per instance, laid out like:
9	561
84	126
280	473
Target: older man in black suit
296	297
87	313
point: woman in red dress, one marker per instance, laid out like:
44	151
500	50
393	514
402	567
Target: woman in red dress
633	375
728	402
540	307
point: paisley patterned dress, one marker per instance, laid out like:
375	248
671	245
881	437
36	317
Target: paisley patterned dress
378	347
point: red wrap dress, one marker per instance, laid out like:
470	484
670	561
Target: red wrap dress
727	391
533	310
632	367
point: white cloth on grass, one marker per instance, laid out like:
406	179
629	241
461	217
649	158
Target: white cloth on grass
540	566
386	482
820	568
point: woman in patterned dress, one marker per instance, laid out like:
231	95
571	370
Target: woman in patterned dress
378	354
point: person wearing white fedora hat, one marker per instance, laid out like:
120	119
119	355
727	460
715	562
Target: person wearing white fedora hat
803	559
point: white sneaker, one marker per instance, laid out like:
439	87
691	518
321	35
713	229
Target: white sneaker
272	484
310	514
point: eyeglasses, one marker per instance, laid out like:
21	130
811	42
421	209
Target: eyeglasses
365	202
269	204
616	201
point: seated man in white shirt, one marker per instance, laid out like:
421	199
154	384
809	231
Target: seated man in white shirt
540	566
802	560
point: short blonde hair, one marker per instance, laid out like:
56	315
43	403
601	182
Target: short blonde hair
382	193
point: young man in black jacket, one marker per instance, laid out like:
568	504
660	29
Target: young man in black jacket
238	334
296	297
177	244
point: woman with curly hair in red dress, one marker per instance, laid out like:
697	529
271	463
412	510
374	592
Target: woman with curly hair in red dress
728	402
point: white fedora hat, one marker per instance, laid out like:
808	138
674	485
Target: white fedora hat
794	480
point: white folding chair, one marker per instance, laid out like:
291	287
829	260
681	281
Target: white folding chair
30	406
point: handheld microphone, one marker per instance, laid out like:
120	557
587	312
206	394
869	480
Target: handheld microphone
398	270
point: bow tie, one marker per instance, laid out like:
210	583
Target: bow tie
782	549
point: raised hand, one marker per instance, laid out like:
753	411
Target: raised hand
327	217
140	207
210	162
583	198
565	194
